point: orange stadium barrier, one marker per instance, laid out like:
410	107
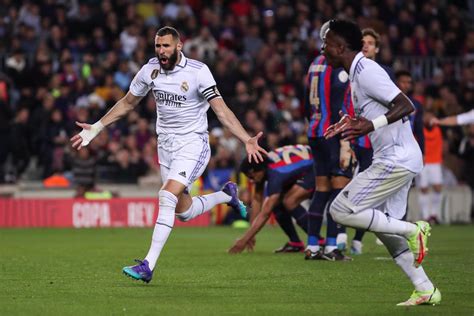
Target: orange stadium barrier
79	213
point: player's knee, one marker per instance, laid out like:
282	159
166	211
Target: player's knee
290	203
167	201
424	190
338	211
438	188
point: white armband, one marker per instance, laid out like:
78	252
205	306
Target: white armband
88	135
380	122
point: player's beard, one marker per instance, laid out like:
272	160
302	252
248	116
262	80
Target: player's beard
171	60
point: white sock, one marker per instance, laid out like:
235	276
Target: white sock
417	276
357	245
164	225
375	221
424	203
436	200
313	248
202	204
329	249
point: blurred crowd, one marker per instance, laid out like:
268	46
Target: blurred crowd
66	61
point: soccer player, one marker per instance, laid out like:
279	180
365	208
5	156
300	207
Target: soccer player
376	198
431	177
286	175
460	119
371	47
183	89
325	96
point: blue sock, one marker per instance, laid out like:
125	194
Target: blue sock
333	229
316	214
301	217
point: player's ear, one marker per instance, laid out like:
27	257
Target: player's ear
179	46
377	50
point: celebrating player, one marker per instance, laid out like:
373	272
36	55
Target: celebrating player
183	89
376	198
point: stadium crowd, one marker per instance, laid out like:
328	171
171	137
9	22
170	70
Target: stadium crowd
67	61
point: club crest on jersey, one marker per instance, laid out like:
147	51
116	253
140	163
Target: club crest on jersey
184	86
154	73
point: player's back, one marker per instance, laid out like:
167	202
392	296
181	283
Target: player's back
286	165
325	90
372	91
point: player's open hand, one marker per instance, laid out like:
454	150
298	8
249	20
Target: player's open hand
434	121
337	128
238	246
254	151
86	135
349	127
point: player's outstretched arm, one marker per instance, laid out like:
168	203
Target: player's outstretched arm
248	238
460	119
228	119
119	110
351	128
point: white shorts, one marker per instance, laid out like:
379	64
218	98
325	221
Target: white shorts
383	187
431	174
183	159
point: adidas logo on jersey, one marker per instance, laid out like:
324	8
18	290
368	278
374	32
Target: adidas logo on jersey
183	174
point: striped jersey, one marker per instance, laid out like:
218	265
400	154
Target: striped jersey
348	108
416	123
287	164
181	94
324	95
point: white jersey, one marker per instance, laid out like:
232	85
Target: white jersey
372	92
181	94
465	118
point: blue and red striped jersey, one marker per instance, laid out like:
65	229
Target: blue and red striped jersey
324	95
348	108
287	164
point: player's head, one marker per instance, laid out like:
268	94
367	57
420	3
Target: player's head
342	37
370	42
256	172
168	47
404	81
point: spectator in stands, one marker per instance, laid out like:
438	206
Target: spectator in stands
83	170
262	47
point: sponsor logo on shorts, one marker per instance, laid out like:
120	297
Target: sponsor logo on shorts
183	174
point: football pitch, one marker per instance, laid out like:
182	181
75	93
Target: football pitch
78	272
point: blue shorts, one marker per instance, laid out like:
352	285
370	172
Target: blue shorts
326	157
307	181
364	157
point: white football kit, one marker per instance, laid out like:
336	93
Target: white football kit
397	157
465	118
181	96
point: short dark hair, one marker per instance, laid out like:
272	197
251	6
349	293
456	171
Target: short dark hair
402	73
349	31
246	167
168	30
371	32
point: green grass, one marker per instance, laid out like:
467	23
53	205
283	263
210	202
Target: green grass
78	272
